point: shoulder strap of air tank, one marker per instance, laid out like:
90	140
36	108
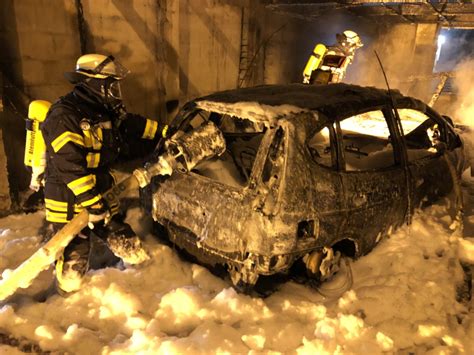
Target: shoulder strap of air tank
65	101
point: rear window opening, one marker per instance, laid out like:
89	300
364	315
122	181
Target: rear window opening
243	138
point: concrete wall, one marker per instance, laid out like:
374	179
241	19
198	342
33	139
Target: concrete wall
5	200
209	46
130	31
39	41
47	44
175	50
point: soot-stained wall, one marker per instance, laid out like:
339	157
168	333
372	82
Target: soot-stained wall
175	50
209	43
47	45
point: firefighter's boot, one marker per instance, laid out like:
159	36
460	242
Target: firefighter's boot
72	265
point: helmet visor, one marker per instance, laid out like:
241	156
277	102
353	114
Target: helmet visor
116	70
110	67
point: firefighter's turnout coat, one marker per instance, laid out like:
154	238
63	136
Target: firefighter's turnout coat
82	140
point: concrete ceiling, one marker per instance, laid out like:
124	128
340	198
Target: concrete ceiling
452	13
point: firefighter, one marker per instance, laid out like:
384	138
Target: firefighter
85	132
329	64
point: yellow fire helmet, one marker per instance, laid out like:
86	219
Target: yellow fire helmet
350	39
97	66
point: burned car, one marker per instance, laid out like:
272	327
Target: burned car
308	172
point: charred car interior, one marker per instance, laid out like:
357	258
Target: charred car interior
243	138
308	172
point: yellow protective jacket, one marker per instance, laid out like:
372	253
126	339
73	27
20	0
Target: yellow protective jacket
83	140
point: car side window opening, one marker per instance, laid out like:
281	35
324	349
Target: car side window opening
423	136
243	138
366	142
319	146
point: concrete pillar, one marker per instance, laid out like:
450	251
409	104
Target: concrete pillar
130	30
209	38
425	47
5	201
423	60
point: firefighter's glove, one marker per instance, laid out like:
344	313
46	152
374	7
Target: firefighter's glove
37	180
99	214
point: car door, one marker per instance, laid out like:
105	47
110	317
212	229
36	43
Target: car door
373	178
325	194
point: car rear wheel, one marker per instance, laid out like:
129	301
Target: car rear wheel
322	264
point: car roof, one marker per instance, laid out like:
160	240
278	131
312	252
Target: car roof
334	100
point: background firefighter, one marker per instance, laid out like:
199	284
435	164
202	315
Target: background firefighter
329	64
85	132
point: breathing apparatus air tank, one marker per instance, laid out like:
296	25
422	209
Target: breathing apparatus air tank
35	148
314	61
